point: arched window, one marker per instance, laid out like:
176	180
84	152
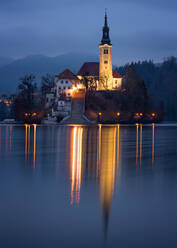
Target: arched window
105	51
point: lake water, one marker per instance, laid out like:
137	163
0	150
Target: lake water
80	186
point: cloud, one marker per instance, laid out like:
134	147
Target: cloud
139	28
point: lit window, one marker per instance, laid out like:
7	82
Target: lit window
105	51
106	62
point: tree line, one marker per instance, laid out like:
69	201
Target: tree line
161	83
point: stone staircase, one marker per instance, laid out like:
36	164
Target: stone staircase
77	110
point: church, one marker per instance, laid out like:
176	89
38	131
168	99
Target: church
108	79
105	78
102	72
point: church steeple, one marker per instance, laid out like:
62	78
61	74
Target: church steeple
105	37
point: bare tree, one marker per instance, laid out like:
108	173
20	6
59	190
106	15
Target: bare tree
104	81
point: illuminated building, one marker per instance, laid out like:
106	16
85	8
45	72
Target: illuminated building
106	78
66	82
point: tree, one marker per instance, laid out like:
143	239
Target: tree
47	83
27	89
25	100
90	82
104	81
134	92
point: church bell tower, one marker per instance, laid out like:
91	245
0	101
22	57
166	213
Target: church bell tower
105	67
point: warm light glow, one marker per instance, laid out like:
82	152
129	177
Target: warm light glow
34	114
29	127
153	114
76	165
34	148
153	143
141	141
100	113
26	137
137	142
118	114
141	114
118	149
107	169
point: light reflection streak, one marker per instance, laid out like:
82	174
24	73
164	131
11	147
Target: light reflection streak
76	165
141	141
0	139
137	143
107	171
153	143
99	149
34	148
118	149
7	131
10	138
26	138
29	127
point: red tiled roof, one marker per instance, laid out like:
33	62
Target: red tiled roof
89	69
92	69
116	74
67	74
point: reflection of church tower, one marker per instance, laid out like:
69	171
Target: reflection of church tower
107	171
105	67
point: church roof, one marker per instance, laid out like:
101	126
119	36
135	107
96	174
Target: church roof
89	69
116	74
67	74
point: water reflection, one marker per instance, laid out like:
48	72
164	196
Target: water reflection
107	171
137	143
76	163
141	143
28	141
101	147
7	134
34	146
153	143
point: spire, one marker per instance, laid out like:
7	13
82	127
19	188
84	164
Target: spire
105	19
105	37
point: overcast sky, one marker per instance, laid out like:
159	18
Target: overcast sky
139	29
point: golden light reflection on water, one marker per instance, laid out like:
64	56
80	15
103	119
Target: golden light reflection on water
106	162
27	143
137	143
76	164
141	143
153	143
107	171
0	139
34	146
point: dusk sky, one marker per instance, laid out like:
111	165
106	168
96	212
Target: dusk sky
139	29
